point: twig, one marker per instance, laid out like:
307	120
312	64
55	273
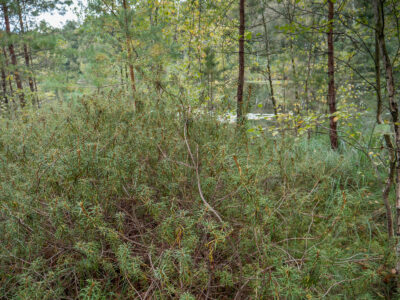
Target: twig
337	283
196	167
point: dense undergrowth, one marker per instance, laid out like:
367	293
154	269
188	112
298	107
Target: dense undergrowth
100	203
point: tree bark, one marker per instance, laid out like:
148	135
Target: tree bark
378	81
8	73
295	83
4	85
240	117
13	56
385	195
388	141
34	79
331	85
393	107
26	53
129	50
308	78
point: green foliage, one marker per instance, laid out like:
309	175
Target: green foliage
98	202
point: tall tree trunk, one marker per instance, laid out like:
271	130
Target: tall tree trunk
393	107
13	56
122	76
126	77
7	73
308	78
199	42
331	85
240	117
388	141
296	90
271	87
378	81
26	53
4	85
388	186
34	78
129	50
309	68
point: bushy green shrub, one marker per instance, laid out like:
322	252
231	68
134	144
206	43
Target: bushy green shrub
99	203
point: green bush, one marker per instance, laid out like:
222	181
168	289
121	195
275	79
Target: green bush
100	203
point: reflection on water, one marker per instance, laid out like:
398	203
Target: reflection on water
231	118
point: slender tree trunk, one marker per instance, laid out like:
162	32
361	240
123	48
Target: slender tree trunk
308	78
122	76
393	107
199	43
8	73
4	85
296	90
28	61
129	50
31	64
388	186
331	85
126	77
297	105
25	46
240	117
309	68
378	81
34	80
157	68
388	141
306	89
13	56
271	87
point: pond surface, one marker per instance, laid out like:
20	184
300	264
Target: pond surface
231	118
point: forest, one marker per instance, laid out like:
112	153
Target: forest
200	149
